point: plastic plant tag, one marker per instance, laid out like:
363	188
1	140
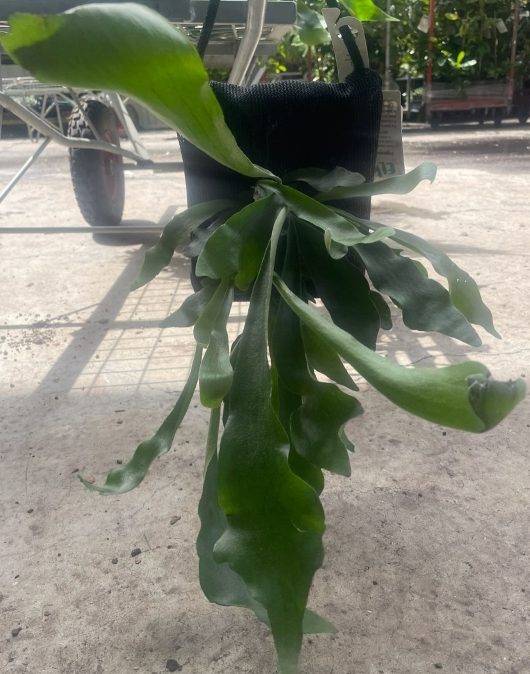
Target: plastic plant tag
424	24
390	161
345	66
501	26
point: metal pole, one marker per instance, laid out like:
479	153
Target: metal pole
249	43
388	76
23	170
428	78
516	19
83	229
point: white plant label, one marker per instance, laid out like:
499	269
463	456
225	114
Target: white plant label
424	24
390	161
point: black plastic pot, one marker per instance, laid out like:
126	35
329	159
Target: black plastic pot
289	125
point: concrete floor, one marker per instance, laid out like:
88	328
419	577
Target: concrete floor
427	563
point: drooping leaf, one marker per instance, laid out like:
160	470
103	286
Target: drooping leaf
426	305
342	287
130	49
274	519
236	248
325	360
190	310
464	291
215	376
220	584
129	476
459	396
366	10
396	185
320	410
176	233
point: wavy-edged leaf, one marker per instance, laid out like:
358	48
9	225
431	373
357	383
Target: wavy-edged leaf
320	410
342	287
176	233
325	360
131	49
317	426
366	10
340	229
425	303
190	310
219	583
459	396
274	518
215	376
402	184
464	291
236	248
129	476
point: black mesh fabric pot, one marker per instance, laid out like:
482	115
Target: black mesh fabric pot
289	125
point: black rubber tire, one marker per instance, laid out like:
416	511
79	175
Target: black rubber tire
97	176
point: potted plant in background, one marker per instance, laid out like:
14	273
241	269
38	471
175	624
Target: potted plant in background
275	426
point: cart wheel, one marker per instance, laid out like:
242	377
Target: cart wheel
97	176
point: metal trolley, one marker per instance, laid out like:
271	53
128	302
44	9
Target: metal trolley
98	122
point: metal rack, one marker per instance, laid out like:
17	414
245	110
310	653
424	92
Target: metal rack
231	46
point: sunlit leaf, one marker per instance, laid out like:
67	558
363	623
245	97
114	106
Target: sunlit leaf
366	10
130	49
459	396
129	476
176	233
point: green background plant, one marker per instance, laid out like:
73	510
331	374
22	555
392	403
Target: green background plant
465	27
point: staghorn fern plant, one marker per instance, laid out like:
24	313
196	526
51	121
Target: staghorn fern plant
274	425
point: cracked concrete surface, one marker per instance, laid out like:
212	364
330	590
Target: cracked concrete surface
427	564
